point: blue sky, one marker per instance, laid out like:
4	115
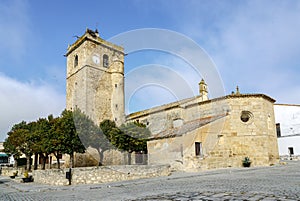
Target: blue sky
254	44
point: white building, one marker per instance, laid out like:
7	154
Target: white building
287	117
4	158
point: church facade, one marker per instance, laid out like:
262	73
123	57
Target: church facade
210	134
191	134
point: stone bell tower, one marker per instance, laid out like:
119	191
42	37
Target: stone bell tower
203	90
95	78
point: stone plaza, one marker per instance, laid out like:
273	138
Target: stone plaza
278	182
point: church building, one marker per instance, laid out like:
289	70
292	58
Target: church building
192	134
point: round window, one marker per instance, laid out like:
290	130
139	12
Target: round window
246	116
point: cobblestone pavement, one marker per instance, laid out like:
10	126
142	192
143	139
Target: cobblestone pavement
280	182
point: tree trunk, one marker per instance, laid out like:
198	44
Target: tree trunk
57	159
35	161
71	160
44	161
58	162
15	162
42	158
28	165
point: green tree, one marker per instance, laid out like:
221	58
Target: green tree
112	134
70	140
130	137
28	145
90	134
40	131
11	149
136	138
55	141
20	141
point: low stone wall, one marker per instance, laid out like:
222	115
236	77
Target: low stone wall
287	157
9	171
102	174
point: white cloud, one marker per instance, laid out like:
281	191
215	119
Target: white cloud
187	63
255	44
26	101
265	33
260	48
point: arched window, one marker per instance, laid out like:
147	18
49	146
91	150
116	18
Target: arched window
76	61
105	61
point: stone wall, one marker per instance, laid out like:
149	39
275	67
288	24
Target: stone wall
110	157
226	141
289	158
94	88
162	118
9	171
103	174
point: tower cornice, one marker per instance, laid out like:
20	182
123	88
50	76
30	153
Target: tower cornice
93	37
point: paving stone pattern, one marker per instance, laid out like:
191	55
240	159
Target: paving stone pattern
280	182
207	196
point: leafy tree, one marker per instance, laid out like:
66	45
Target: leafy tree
29	138
55	139
11	149
130	137
40	136
113	133
70	141
90	134
19	141
69	133
136	140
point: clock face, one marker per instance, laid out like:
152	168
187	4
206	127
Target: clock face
96	59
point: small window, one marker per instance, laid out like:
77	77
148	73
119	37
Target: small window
278	130
76	61
105	61
198	148
116	106
291	151
116	85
